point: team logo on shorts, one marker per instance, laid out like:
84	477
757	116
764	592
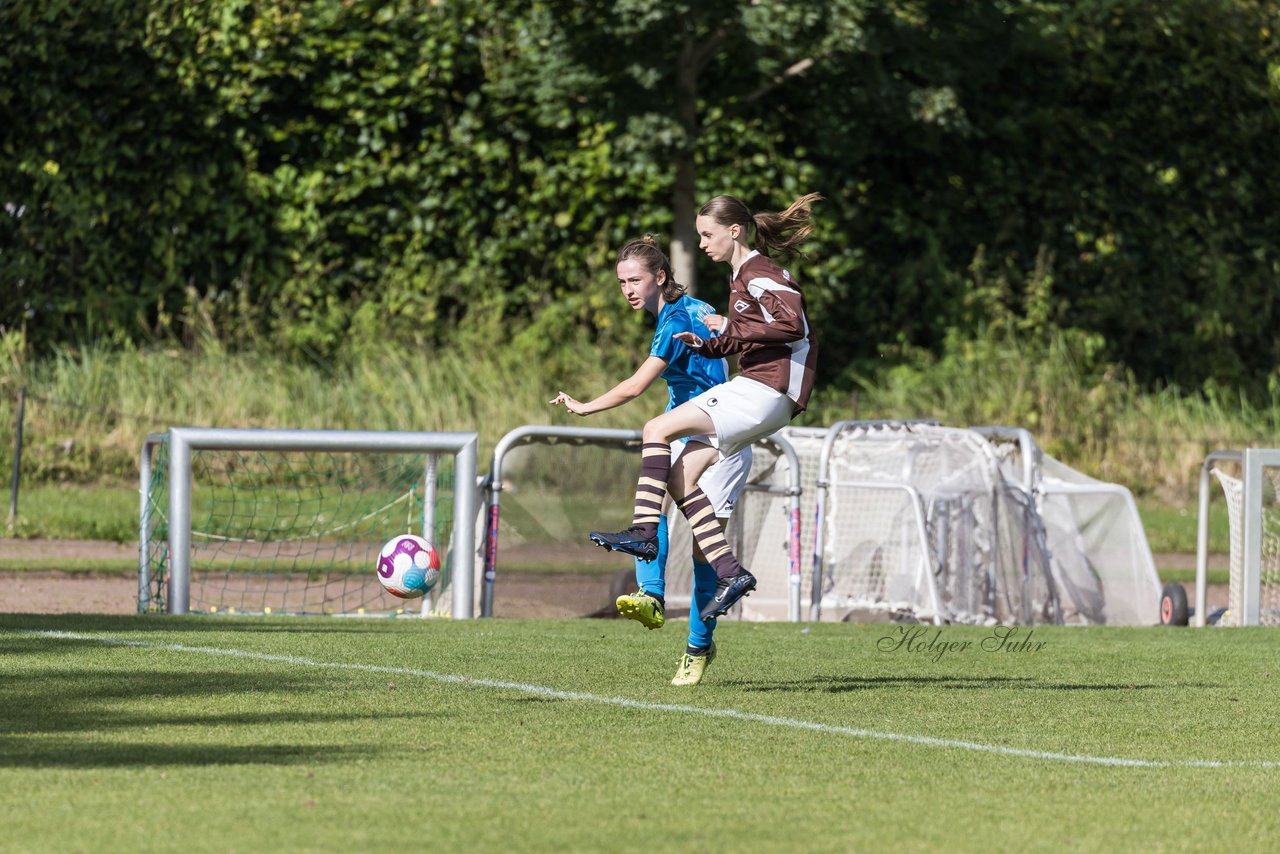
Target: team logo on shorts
712	401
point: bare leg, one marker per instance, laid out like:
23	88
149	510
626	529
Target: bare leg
685	420
689	467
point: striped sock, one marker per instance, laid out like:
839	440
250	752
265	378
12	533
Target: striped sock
651	488
708	534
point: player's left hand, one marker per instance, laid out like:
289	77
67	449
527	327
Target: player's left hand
688	338
716	322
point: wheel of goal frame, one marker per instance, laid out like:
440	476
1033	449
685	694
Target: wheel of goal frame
1173	606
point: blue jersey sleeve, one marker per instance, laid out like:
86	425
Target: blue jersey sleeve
665	346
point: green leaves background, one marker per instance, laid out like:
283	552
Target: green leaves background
324	176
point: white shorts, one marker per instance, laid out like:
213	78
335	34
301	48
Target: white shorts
742	411
723	482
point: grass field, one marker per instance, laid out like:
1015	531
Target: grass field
111	513
200	734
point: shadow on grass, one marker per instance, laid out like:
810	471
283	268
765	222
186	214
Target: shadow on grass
84	718
17	752
840	684
197	623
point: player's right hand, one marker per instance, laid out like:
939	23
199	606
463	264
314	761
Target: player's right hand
569	403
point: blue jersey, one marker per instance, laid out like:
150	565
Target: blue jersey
687	374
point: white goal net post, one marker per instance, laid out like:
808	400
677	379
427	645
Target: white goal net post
1250	481
292	520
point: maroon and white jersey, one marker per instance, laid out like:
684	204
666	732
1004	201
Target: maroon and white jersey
768	327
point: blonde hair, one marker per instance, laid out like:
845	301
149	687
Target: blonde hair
783	231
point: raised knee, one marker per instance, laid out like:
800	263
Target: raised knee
653	432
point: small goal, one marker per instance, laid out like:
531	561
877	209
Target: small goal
550	484
247	521
912	520
1250	481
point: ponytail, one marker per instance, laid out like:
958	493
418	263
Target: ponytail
783	231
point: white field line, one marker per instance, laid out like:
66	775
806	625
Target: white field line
642	705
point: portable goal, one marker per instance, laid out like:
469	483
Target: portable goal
559	482
291	521
914	520
1250	482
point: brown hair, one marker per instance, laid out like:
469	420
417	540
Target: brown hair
784	230
647	251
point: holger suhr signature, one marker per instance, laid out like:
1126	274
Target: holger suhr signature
928	641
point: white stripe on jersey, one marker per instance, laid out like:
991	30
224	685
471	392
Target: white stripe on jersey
799	355
758	286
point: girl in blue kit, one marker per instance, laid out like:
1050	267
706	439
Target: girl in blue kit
647	282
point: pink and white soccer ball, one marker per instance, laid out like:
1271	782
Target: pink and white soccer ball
408	566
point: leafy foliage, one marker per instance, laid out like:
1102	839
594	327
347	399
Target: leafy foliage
327	175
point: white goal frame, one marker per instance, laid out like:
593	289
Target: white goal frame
184	440
628	440
1252	461
924	569
1083	554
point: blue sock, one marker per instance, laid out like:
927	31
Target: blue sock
651	576
704	587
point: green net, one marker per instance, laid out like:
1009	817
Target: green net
292	532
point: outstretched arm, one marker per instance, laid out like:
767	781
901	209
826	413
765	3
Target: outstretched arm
718	345
777	316
624	392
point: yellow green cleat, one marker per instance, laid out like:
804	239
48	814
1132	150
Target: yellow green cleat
645	609
693	666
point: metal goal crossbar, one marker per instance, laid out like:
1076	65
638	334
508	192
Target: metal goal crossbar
280	513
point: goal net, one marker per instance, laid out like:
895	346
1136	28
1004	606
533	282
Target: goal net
547	487
951	525
291	522
1252	492
860	521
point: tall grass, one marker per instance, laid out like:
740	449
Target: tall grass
88	409
1088	413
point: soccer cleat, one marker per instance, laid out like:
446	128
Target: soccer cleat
728	592
632	541
644	608
693	666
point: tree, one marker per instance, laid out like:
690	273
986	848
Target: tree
666	71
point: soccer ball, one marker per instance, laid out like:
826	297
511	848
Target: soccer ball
408	566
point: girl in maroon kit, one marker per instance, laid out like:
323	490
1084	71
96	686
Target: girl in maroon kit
767	328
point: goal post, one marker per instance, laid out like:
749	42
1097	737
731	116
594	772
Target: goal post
921	571
1253	507
915	520
495	482
757	502
183	442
